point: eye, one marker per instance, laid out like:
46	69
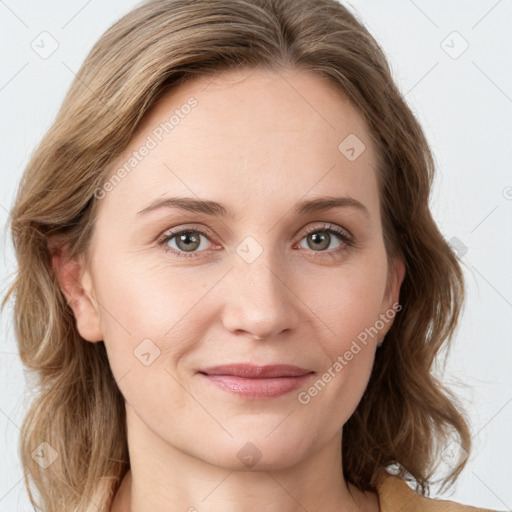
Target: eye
320	238
186	241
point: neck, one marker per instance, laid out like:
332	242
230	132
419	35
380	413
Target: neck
163	477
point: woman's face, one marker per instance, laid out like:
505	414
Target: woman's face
256	281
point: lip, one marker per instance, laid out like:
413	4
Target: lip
256	382
250	371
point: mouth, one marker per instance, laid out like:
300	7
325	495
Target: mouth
256	382
250	371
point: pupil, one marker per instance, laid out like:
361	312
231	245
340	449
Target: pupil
318	238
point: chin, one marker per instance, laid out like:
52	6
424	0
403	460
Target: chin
255	453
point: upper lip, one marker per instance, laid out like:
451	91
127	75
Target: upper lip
250	371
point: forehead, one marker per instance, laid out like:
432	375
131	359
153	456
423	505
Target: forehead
249	138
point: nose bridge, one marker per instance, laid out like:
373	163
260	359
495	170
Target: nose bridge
258	276
259	299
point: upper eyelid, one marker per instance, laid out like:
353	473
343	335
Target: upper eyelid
172	232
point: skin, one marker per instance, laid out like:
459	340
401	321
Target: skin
257	142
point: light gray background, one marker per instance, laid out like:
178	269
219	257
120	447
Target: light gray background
464	102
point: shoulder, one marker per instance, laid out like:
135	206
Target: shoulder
395	494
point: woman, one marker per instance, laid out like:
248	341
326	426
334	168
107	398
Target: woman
230	283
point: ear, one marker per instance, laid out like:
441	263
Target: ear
395	279
396	276
75	283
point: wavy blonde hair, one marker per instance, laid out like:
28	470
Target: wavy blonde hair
405	417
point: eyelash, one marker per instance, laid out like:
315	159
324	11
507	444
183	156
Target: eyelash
346	238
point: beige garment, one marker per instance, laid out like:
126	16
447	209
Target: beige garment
395	495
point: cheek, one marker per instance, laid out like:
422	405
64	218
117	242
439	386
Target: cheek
150	322
349	346
347	303
349	306
149	307
147	297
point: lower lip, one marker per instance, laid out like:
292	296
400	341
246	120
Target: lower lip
257	388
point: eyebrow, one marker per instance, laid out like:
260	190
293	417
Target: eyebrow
319	204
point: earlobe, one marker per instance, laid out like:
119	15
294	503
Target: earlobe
75	283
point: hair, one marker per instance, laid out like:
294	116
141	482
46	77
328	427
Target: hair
406	416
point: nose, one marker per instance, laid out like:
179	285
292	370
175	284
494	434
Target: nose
259	300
